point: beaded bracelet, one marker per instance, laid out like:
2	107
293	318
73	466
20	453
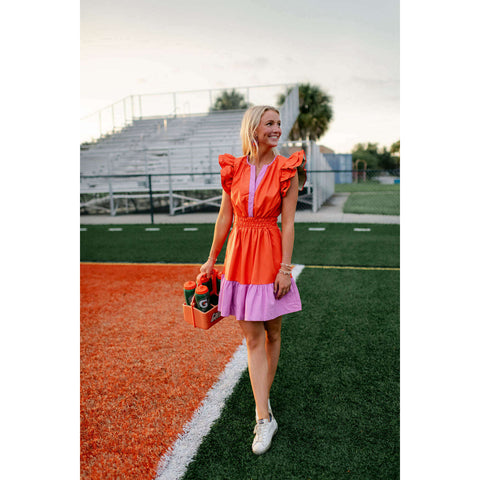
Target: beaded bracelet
285	273
288	265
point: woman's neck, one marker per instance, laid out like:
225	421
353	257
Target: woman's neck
263	157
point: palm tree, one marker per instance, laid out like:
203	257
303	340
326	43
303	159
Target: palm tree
229	101
395	148
315	112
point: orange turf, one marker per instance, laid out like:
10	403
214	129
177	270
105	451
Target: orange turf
144	370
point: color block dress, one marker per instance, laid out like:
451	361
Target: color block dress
254	248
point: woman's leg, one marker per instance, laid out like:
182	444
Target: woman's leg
272	347
258	364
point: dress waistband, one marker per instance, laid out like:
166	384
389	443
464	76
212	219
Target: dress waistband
255	222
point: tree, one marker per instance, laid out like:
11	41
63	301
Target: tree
375	158
395	152
367	152
229	101
315	112
395	148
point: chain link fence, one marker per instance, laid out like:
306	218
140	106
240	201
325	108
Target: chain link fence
375	192
365	191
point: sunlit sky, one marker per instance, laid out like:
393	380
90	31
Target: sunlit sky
349	48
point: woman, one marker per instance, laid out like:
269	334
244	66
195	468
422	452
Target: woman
257	287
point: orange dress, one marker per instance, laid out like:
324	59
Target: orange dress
254	248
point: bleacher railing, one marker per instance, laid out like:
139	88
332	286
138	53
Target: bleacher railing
322	183
122	113
289	111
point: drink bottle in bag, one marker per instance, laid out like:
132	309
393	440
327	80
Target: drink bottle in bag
206	281
189	291
215	287
218	277
202	298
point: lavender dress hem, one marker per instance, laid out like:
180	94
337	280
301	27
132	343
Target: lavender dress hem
256	302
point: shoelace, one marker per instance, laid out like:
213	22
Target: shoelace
261	431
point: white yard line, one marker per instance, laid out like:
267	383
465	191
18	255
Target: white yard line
174	462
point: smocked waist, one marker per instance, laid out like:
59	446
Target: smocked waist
255	222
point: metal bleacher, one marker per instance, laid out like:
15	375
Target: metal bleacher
172	157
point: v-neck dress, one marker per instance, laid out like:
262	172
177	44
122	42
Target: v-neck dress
254	248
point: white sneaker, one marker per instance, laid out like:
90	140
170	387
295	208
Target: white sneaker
269	411
264	432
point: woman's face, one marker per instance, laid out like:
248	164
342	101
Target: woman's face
268	131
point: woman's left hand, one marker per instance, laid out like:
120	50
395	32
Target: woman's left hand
282	285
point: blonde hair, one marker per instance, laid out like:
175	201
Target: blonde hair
250	122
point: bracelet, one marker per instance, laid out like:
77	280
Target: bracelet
212	258
287	265
285	273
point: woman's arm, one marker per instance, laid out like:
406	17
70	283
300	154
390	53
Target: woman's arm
222	227
289	206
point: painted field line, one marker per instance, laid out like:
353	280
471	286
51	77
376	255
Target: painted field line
190	229
174	462
176	459
316	229
362	230
83	229
152	229
115	229
395	269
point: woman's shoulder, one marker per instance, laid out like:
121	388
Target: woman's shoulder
227	159
291	165
229	168
293	161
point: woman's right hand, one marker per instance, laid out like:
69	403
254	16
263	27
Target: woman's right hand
206	269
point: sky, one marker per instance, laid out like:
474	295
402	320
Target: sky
350	49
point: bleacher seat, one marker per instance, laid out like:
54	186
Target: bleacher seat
189	143
174	153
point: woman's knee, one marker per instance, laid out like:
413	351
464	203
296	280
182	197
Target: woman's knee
274	336
254	334
274	330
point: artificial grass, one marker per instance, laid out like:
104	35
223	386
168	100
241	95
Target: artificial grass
379	203
339	244
369	187
336	394
171	244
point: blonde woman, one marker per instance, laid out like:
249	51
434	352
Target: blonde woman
257	287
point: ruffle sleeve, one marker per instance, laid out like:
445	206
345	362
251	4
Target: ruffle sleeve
226	162
294	163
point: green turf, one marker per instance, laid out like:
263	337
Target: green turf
371	198
370	187
336	394
378	203
339	244
171	244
